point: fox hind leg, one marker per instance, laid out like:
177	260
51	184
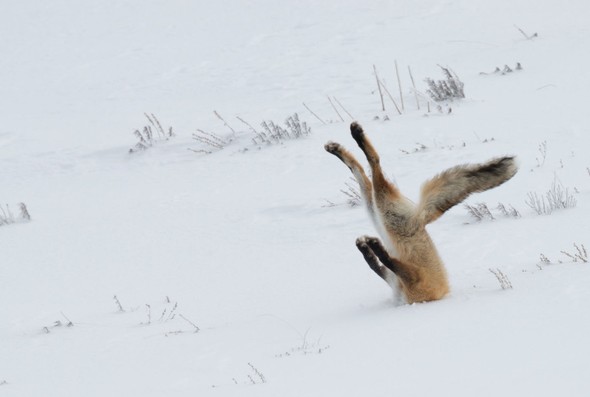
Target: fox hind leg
407	273
372	260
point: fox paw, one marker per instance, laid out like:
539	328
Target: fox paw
357	133
364	241
333	147
372	241
362	246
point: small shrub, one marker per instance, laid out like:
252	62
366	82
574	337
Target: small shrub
446	90
508	212
150	134
273	133
555	198
481	211
579	255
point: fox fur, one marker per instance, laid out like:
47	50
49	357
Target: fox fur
408	257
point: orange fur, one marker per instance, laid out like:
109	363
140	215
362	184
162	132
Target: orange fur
409	253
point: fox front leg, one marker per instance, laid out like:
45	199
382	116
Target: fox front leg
366	188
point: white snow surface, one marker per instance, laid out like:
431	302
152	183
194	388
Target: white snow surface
243	242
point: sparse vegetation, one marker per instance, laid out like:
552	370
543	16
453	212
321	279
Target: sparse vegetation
420	147
527	36
442	90
555	198
542	148
352	193
213	141
260	378
505	70
313	113
255	377
502	278
150	134
270	134
118	303
273	133
58	323
481	211
305	347
224	122
580	253
509	211
7	217
448	89
169	314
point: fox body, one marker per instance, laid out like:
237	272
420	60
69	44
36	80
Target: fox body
408	257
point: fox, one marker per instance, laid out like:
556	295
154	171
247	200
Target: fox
407	258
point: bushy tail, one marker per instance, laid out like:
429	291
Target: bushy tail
454	185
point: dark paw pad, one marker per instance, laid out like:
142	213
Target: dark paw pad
373	242
357	133
333	147
361	244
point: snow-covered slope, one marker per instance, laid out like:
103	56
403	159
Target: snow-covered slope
253	245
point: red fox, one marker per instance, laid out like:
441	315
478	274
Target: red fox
409	257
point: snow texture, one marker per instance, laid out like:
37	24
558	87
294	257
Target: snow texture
173	272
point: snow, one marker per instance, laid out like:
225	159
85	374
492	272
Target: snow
243	245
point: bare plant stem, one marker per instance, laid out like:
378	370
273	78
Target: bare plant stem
258	373
149	313
315	115
391	97
69	322
224	122
581	254
379	87
118	303
399	84
197	329
526	35
248	124
502	278
415	90
336	110
350	115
